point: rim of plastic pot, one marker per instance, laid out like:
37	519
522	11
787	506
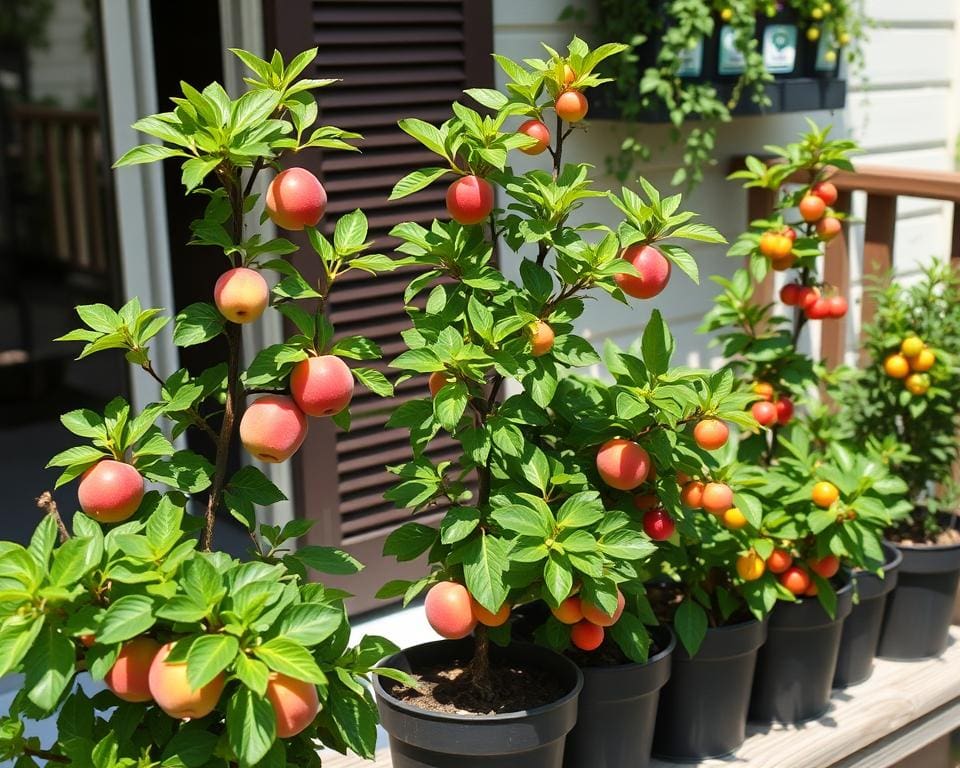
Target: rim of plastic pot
502	717
808	613
728	641
869	585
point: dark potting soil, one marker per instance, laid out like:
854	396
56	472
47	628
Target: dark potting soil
665	597
916	536
443	689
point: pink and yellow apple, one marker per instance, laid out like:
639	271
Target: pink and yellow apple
322	386
273	428
296	199
241	294
110	491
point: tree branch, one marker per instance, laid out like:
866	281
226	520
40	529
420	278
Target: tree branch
49	506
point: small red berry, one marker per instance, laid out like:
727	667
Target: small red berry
658	524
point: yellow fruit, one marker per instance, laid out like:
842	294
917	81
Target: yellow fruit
734	519
826	7
825	494
813	34
750	566
896	366
726	14
911	346
830	56
923	361
917	383
844	38
816	13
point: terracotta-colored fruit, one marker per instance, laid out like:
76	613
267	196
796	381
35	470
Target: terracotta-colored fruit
826	191
569	611
911	346
779	561
917	383
750	566
571	106
541	338
295	199
808	296
437	381
653	268
321	386
795	579
129	677
790	294
826	566
110	491
765	413
87	641
586	636
241	294
487	618
896	366
763	389
819	310
658	524
837	307
711	434
717	498
449	610
644	501
824	494
273	428
535	130
172	692
828	228
470	200
596	615
812	590
692	494
734	519
623	464
784	410
295	704
812	208
923	361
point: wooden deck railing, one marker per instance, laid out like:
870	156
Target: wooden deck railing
882	186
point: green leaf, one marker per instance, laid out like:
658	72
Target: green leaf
690	623
128	617
252	485
409	541
357	348
252	673
580	510
458	523
196	170
208	657
190	747
633	638
48	667
373	380
196	324
533	521
147	153
17	636
414	182
350	233
657	344
488	97
450	404
425	133
329	560
558	577
84	423
251	726
310	623
484	563
74	559
284	655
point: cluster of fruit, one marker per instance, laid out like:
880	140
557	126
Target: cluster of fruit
815	305
911	364
773	408
143	672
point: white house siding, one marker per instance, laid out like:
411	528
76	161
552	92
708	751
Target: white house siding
904	110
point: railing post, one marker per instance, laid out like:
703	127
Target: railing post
955	240
760	202
879	232
836	273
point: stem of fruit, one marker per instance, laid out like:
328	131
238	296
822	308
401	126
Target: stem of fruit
49	506
43	754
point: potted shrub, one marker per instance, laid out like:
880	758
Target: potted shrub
816	517
205	659
906	397
541	529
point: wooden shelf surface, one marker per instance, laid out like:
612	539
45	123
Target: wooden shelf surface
900	709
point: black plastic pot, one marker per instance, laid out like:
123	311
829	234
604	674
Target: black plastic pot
861	630
795	668
618	710
703	708
916	624
527	739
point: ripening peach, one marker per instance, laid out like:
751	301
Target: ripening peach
896	366
273	428
779	561
790	294
734	519
828	228
826	566
917	383
172	692
837	306
241	294
812	208
596	615
911	346
470	200
750	566
826	191
765	413
711	434
795	579
449	610
535	129
623	464
784	410
569	611
586	636
487	618
129	677
807	296
658	524
296	199
717	498
571	106
923	361
824	494
691	495
321	386
110	491
437	381
763	389
541	338
295	703
653	268
643	502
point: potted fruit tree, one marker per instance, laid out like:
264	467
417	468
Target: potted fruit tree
537	524
906	396
205	659
818	519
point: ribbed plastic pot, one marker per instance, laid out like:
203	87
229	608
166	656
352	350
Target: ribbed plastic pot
916	623
703	708
861	630
526	739
618	711
795	667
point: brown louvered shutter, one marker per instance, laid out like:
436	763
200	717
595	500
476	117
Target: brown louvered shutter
397	59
